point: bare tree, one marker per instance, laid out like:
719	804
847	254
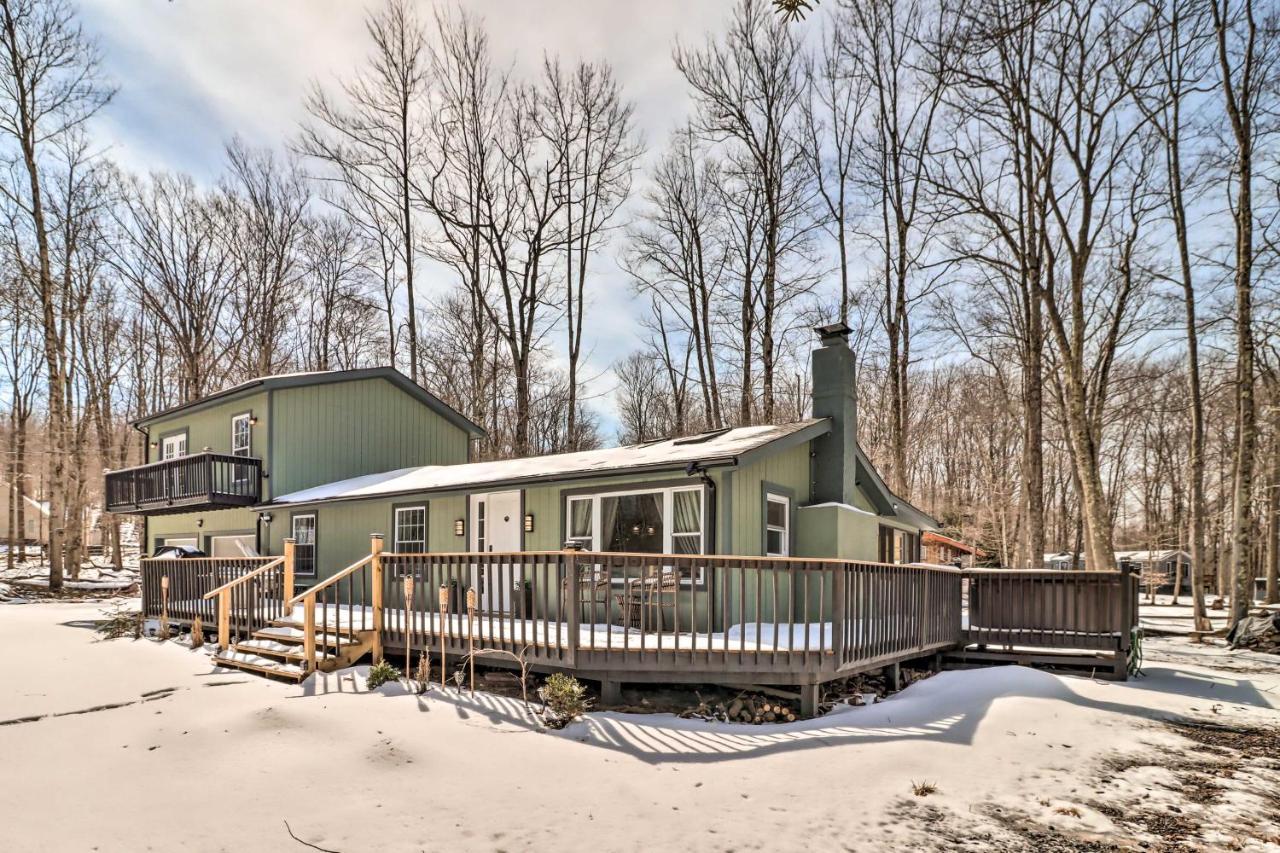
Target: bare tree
369	139
589	125
1248	54
49	86
749	88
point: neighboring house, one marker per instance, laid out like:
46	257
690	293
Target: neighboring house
1161	565
942	550
35	522
328	458
1064	561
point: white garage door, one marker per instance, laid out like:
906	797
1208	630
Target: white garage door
232	546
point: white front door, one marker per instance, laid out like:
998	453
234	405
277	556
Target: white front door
496	526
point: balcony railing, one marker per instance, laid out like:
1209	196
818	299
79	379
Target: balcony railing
186	484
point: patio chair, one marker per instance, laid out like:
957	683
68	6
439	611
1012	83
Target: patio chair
593	591
643	596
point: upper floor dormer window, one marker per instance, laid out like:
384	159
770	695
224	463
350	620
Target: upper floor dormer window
242	435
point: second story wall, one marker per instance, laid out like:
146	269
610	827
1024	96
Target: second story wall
332	431
211	427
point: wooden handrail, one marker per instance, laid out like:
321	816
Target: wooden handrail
826	561
331	580
237	581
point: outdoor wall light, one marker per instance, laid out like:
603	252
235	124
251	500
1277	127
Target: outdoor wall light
253	420
153	444
199	522
460	527
264	517
528	523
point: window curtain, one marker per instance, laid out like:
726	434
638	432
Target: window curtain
687	507
580	521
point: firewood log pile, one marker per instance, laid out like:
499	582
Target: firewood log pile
752	708
755	708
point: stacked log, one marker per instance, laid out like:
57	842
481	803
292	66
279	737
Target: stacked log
752	709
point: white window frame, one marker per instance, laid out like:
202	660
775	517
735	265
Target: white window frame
397	542
784	529
247	450
315	529
177	440
668	517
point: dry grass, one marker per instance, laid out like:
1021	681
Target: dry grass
923	789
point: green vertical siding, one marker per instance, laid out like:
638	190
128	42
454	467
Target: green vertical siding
337	430
789	470
211	427
200	525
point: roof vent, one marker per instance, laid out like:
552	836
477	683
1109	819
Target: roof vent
700	438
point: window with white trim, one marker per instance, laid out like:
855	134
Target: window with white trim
173	446
304	553
777	526
647	521
580	524
241	435
411	530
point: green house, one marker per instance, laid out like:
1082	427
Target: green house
329	458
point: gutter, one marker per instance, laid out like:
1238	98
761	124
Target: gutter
709	524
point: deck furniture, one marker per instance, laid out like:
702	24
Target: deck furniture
642	600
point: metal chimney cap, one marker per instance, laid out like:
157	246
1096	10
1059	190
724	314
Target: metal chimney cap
833	332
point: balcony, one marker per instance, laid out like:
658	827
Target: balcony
202	481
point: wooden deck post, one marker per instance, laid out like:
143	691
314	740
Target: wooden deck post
289	545
375	573
309	631
224	620
575	604
810	698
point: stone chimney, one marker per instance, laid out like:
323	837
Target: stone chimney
834	397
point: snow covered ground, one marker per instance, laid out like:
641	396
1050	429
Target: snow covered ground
127	745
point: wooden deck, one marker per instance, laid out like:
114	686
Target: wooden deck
655	618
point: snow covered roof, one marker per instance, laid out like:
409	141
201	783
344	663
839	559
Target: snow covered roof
1147	556
722	447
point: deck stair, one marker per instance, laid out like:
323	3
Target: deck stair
279	650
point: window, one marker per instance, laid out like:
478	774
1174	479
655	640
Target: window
580	527
654	521
173	446
898	546
686	521
411	530
481	525
777	526
241	435
304	552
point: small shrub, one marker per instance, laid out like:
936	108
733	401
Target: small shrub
565	698
381	673
1069	811
120	622
422	675
923	789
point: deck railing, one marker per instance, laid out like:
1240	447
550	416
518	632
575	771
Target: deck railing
254	600
177	588
342	605
1051	609
185	483
672	613
657	616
